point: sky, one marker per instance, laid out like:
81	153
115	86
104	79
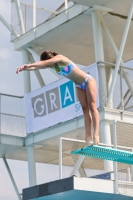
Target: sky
10	83
9	59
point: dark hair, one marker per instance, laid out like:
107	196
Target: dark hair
46	55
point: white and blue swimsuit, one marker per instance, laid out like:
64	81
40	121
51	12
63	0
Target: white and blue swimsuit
66	70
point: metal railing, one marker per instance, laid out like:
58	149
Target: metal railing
122	97
12	115
36	13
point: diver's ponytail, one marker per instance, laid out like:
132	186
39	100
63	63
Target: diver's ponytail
55	54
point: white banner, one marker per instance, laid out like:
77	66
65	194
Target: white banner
54	103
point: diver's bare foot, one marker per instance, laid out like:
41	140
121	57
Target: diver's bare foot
88	138
96	139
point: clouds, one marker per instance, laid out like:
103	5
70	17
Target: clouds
5	8
10	60
5	53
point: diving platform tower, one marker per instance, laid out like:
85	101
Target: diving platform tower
86	31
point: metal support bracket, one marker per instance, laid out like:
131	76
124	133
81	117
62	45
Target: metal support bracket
12	179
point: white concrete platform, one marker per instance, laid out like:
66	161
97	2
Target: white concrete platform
14	147
74	188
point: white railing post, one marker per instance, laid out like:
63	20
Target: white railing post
34	13
132	171
60	158
18	8
128	174
115	163
66	4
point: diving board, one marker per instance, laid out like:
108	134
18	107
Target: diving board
106	153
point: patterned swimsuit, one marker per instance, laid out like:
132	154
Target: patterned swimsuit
65	70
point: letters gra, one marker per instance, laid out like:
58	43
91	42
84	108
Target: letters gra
53	100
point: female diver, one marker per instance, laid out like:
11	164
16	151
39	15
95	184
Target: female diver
85	84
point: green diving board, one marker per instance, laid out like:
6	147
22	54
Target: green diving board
106	153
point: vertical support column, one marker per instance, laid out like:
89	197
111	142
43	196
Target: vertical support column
60	158
30	149
99	55
115	163
26	74
31	165
106	138
34	13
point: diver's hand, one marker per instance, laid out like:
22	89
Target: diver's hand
22	68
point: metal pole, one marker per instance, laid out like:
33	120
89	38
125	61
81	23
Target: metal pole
31	165
34	13
26	74
121	51
11	177
60	158
77	165
121	89
7	25
115	163
128	174
66	4
115	51
106	139
0	114
99	56
109	80
20	16
132	171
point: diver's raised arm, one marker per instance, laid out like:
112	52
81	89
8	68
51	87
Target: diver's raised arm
41	64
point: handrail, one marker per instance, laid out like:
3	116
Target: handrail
12	115
112	64
9	95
